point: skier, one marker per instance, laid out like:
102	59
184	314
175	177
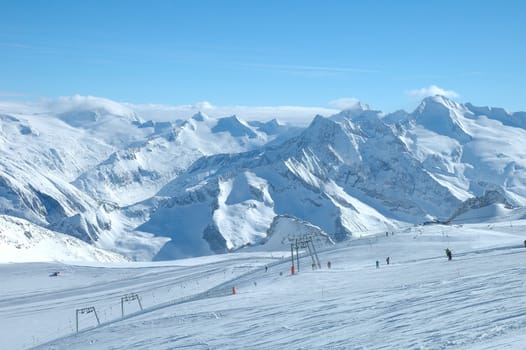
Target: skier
377	264
525	242
266	268
328	264
387	260
449	254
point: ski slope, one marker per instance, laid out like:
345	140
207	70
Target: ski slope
419	301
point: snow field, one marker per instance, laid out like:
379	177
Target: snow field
419	301
48	303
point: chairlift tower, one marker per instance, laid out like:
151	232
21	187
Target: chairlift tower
304	241
86	310
129	298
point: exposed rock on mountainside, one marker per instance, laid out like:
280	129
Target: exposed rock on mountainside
95	169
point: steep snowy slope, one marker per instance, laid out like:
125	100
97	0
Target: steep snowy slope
44	151
137	172
40	155
335	175
94	169
350	174
467	151
70	163
22	241
285	228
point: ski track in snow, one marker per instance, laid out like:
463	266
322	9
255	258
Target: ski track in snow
420	301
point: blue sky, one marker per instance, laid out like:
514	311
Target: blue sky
265	53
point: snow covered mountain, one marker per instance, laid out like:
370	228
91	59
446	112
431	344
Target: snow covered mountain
22	241
140	169
70	164
350	174
470	150
95	169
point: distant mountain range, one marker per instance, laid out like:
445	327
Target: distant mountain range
147	189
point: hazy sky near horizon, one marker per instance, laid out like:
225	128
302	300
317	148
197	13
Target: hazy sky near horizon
388	54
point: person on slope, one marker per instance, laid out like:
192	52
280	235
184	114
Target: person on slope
387	260
449	254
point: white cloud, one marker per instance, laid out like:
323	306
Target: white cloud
347	103
80	102
203	105
296	115
432	90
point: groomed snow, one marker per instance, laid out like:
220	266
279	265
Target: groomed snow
419	301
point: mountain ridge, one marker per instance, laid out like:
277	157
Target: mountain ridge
209	185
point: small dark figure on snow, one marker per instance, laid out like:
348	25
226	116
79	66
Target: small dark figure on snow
386	234
449	254
266	268
377	264
525	242
387	260
328	264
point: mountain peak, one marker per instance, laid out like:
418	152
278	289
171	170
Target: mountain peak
349	103
200	117
359	106
363	112
438	100
88	111
234	126
443	116
271	127
438	105
324	131
274	122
